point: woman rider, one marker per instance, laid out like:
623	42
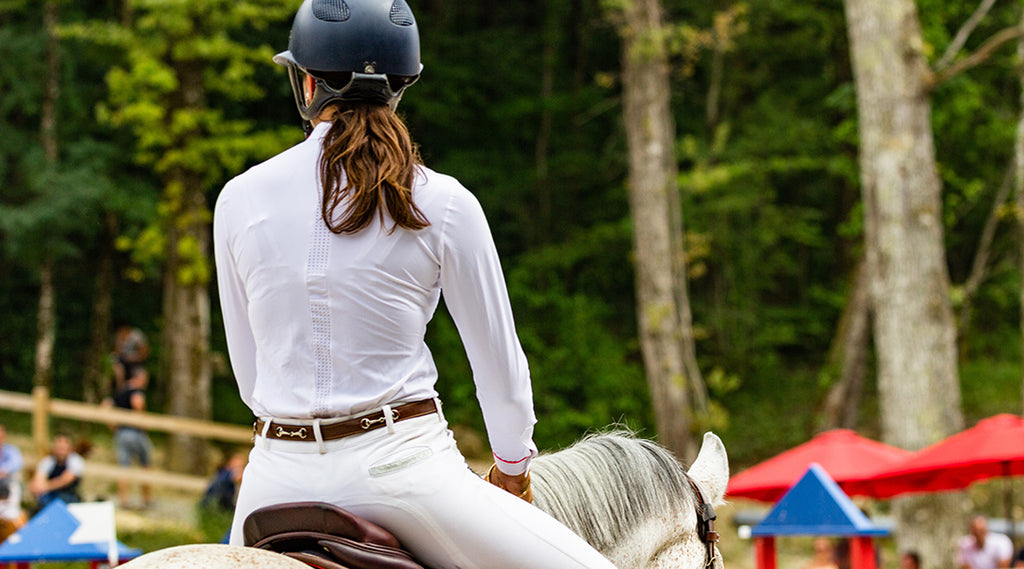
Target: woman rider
331	258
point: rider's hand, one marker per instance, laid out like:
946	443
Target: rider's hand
518	485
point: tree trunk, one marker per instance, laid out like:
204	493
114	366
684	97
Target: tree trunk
186	298
848	355
915	334
46	324
663	310
46	327
187	340
95	384
1018	153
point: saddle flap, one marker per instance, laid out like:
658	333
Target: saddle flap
317	519
314	560
368	555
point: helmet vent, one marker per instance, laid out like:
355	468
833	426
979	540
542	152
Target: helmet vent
332	10
401	15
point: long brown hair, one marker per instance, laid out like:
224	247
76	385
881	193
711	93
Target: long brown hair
370	147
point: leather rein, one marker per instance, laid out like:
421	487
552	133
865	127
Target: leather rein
705	523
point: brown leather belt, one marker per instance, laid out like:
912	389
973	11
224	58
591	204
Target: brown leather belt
332	431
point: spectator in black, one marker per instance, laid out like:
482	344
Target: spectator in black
131	350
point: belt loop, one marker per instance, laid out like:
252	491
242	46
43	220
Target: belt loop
440	414
266	427
319	437
388	418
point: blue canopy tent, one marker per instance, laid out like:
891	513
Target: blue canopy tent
79	532
816	506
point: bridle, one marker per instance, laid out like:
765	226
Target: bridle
705	523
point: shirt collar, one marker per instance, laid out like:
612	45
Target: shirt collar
320	130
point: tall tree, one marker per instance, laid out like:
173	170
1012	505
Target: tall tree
663	304
95	384
915	336
47	309
55	177
184	70
1018	177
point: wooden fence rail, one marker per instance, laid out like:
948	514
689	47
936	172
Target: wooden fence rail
42	407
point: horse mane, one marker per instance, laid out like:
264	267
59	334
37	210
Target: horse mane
610	485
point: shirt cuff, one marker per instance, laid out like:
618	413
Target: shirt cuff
513	467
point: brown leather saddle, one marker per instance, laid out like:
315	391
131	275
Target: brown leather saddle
325	536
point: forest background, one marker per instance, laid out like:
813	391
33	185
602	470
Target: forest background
522	103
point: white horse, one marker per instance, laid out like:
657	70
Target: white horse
628	497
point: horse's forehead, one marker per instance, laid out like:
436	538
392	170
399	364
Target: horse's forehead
213	556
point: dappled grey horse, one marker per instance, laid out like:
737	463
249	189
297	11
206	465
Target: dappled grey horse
627	496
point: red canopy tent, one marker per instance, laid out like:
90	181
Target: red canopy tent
994	447
850	460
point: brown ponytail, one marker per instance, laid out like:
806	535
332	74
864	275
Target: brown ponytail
371	148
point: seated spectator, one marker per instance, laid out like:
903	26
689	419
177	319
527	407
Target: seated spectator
58	474
11	515
983	549
222	489
218	504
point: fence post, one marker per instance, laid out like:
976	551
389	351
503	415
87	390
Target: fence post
41	419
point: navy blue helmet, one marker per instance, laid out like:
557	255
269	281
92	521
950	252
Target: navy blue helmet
351	50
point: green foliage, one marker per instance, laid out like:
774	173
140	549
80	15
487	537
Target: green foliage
520	102
584	375
182	69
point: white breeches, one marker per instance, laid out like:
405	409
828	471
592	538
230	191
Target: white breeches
412	481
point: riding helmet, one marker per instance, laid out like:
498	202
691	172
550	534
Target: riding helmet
354	50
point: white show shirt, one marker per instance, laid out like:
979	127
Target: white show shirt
326	325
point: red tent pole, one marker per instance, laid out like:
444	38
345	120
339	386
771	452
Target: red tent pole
862	553
764	553
1008	503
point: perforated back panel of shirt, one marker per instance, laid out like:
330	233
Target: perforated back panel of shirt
316	281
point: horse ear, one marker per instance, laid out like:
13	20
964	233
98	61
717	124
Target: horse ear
711	469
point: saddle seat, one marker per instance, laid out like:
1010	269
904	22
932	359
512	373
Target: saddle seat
325	536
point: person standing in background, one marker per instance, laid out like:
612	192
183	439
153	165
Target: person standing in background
983	549
132	444
131	350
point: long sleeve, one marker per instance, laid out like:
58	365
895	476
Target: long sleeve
234	304
476	296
